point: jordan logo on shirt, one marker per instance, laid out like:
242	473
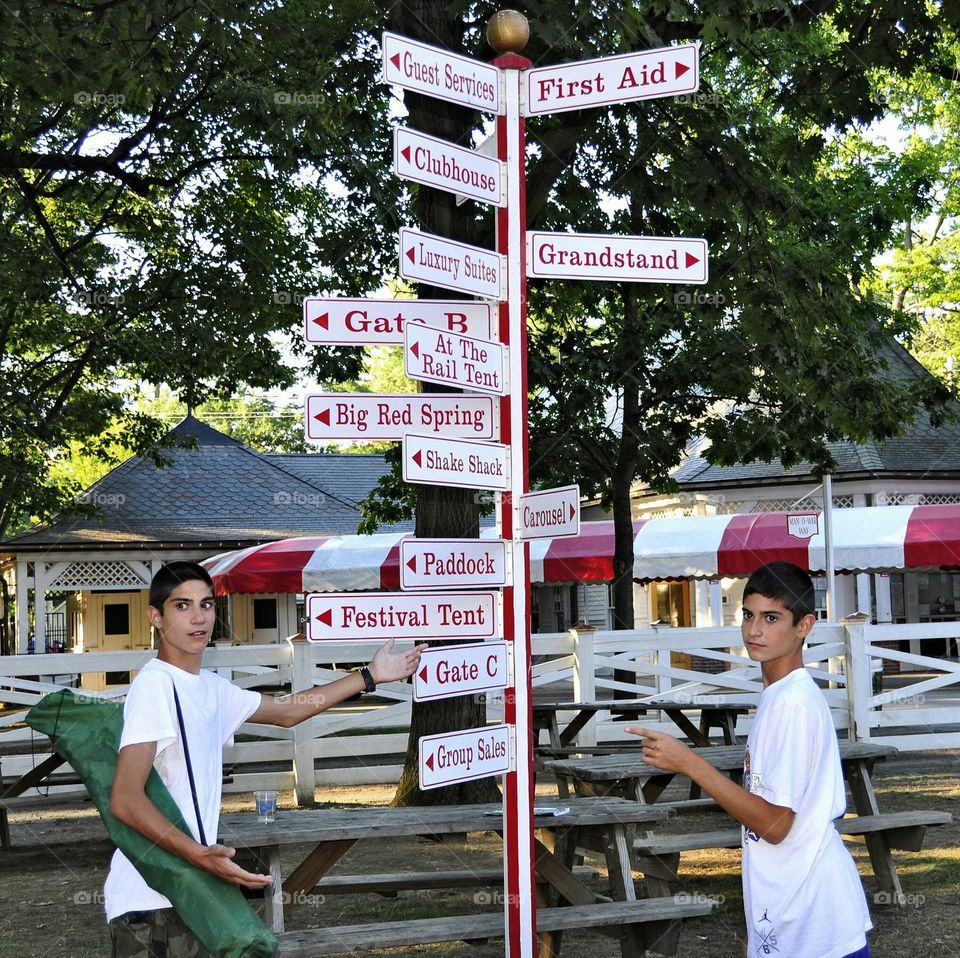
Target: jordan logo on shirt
767	940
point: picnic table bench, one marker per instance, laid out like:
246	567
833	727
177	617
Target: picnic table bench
628	775
605	825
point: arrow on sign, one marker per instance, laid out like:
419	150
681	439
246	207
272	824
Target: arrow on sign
411	255
679	69
326	618
323	320
395	60
415	349
690	259
429	762
423	674
323	416
417	457
412	564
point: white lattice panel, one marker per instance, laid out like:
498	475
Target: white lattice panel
99	575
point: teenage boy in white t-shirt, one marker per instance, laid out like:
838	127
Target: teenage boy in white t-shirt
182	612
801	891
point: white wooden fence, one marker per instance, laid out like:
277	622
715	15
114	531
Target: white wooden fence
361	742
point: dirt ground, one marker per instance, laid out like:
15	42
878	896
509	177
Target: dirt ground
51	880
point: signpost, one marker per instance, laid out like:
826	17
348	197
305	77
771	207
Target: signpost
550	513
635	259
451	343
451	563
463	756
366	322
368	416
666	71
441	262
456	462
375	616
461	670
453	360
425	159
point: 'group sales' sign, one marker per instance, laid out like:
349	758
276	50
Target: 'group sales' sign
463	756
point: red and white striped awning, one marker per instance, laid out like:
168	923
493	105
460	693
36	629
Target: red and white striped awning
865	539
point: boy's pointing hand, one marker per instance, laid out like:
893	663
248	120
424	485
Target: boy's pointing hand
661	750
390	666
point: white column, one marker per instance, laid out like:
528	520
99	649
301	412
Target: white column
881	584
716	601
40	580
704	615
864	594
23	608
845	596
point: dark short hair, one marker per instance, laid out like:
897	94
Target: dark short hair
787	583
169	576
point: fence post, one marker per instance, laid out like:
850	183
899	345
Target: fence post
585	676
301	680
664	682
859	679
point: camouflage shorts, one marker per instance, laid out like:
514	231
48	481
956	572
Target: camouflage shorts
153	934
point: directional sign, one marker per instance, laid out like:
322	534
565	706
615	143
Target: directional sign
446	76
368	416
425	159
453	563
665	71
550	513
463	756
461	670
441	262
366	616
634	259
362	322
435	356
456	462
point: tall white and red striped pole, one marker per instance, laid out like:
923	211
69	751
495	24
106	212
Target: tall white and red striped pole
508	33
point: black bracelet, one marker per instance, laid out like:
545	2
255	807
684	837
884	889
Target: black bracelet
368	684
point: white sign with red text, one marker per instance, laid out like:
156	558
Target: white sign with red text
435	356
361	322
377	616
453	757
461	670
453	564
550	513
803	525
441	74
432	259
456	462
634	259
372	416
665	71
425	159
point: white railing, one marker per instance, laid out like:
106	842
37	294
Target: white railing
364	743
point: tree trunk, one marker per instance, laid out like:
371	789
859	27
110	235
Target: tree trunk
622	481
441	511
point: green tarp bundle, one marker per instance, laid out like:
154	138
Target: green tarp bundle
86	732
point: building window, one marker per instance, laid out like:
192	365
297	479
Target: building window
534	610
264	614
116	618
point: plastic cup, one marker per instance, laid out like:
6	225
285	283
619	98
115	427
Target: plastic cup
266	806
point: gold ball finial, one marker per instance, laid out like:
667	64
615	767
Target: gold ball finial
508	31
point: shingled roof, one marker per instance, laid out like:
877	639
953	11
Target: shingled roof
220	494
923	451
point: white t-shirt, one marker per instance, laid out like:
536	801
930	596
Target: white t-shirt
802	897
213	709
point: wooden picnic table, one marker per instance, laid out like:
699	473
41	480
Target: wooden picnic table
605	825
628	775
